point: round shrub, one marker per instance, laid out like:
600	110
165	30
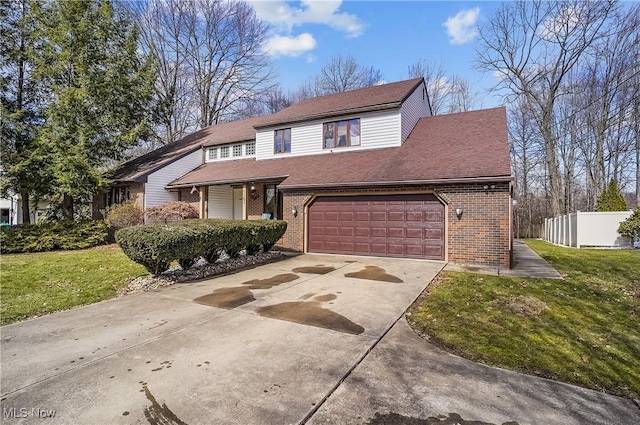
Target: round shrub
124	215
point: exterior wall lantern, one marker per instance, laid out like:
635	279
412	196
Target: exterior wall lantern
253	191
294	210
459	211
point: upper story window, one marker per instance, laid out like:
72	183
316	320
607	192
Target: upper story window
230	151
237	150
250	148
282	141
340	134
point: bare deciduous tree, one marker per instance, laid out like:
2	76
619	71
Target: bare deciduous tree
436	81
340	74
343	73
162	27
223	46
533	46
447	94
209	61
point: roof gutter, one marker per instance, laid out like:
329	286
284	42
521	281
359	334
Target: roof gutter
221	182
503	178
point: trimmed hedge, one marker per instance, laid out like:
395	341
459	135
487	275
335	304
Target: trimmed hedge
61	235
156	245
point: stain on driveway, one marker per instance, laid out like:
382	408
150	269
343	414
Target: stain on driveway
311	313
375	273
452	419
227	298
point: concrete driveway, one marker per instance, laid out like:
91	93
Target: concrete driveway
263	346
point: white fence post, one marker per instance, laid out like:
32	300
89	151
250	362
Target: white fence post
596	229
578	229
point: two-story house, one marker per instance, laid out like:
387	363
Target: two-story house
365	172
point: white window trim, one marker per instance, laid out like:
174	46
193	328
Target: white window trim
247	150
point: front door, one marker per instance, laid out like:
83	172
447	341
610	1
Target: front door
238	203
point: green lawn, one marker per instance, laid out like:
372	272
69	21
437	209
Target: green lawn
40	283
584	329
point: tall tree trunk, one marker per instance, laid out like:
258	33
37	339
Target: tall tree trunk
637	169
555	183
67	207
26	214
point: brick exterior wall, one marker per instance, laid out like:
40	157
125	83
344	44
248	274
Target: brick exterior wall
194	200
255	206
293	239
481	236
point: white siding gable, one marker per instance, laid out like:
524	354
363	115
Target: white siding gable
377	130
155	192
220	202
414	107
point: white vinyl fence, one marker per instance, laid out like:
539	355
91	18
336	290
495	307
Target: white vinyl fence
582	229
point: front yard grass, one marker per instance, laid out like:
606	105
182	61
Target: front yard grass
40	283
583	330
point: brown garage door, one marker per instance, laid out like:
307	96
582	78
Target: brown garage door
382	225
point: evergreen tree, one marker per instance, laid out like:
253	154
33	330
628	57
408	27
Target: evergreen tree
630	228
23	163
98	88
611	199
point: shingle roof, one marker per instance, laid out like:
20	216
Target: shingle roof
385	96
369	99
455	147
139	168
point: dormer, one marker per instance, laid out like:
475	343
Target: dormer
370	118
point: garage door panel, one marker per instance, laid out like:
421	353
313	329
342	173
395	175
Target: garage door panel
415	250
379	232
346	231
395	232
363	231
378	248
378	216
396	249
415	216
433	217
396	216
363	216
409	225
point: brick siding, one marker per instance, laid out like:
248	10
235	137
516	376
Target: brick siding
481	236
255	206
192	199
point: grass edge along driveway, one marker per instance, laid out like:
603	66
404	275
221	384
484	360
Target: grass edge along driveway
39	283
583	330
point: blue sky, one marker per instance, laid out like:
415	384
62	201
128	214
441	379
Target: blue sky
388	35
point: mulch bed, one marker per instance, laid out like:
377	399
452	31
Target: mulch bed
200	270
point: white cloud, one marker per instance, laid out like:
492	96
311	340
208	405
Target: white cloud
281	13
462	28
560	26
280	45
